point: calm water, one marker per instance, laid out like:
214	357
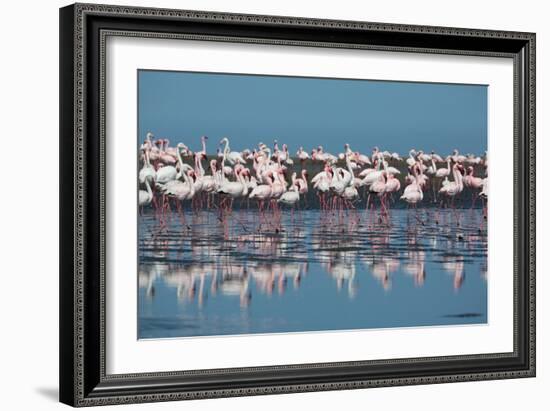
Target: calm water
310	271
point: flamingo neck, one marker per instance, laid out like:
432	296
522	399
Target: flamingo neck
148	187
226	148
180	162
147	161
348	163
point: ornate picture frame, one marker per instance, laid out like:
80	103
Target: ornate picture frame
84	29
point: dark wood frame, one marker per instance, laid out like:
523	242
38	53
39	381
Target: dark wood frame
83	29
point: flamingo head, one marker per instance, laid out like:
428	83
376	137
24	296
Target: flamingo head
460	168
149	135
224	141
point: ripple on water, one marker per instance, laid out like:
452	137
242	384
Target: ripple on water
206	276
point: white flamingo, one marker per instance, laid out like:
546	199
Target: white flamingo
454	187
145	196
147	171
234	157
292	196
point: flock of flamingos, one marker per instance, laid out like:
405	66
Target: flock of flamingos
170	177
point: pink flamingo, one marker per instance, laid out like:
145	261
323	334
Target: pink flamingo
453	188
261	193
472	182
392	184
165	158
321	182
171	151
234	189
292	196
302	155
413	192
379	188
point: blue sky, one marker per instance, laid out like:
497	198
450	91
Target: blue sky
395	116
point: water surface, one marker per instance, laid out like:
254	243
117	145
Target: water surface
205	274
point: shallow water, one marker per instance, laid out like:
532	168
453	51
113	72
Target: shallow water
310	270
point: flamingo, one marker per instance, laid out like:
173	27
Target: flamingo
181	190
154	151
286	156
234	189
165	157
171	151
292	196
396	157
145	196
301	182
378	188
362	159
411	161
458	158
302	155
166	174
209	183
485	188
472	182
413	193
444	172
392	184
234	157
261	193
147	171
454	188
436	157
374	174
321	182
278	187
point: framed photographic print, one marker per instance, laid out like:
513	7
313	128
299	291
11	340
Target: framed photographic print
261	204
